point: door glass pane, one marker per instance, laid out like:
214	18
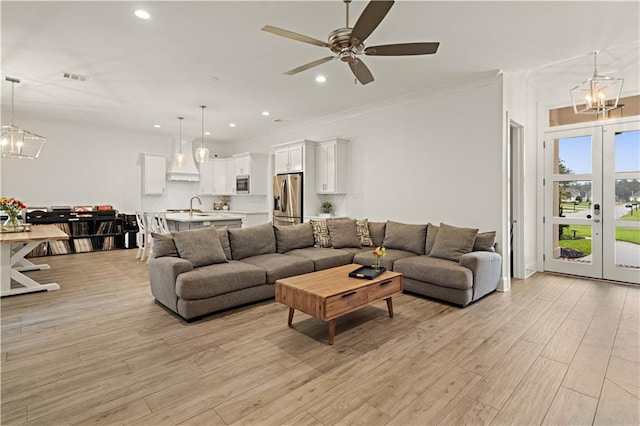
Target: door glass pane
572	198
627	151
572	155
572	243
628	199
627	247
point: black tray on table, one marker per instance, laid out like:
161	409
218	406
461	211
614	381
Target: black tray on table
367	272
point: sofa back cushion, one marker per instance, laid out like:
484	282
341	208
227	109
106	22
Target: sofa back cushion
432	231
403	236
452	242
376	230
163	245
485	241
321	236
223	234
252	241
293	237
201	246
343	233
362	228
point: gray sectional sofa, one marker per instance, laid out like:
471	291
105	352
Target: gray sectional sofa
198	272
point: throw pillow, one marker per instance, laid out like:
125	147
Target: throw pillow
376	230
402	236
362	228
163	245
252	241
293	237
432	231
452	242
201	247
321	236
485	241
223	234
343	233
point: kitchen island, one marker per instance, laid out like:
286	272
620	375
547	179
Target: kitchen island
184	221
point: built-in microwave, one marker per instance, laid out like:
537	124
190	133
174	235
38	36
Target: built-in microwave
242	184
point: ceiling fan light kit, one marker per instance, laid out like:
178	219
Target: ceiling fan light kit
349	42
17	142
597	94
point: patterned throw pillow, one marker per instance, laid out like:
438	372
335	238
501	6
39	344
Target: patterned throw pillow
321	236
362	228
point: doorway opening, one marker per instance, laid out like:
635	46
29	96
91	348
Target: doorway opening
516	204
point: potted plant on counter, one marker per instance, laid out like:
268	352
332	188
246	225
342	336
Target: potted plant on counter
326	207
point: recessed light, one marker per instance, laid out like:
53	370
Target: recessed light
265	113
207	133
157	126
321	79
232	124
142	14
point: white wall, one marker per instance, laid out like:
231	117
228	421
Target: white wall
521	105
81	166
427	159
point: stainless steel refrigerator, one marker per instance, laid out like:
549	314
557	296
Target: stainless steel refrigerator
287	199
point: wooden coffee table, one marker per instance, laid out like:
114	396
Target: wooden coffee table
331	293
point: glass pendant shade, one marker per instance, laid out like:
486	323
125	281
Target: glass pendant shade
202	153
597	94
17	142
178	158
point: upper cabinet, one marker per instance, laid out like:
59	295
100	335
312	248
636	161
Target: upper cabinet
255	167
213	177
154	174
290	158
331	167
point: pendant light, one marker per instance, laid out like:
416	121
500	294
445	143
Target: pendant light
17	142
202	153
179	157
597	94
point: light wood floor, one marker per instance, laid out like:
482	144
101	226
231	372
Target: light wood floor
554	350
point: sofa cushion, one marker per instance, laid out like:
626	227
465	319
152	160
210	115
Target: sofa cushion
223	235
442	272
362	229
321	236
324	258
163	245
343	233
201	246
452	242
368	258
278	265
293	237
213	280
432	232
252	241
405	237
485	241
376	230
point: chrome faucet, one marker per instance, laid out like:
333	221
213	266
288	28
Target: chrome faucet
191	204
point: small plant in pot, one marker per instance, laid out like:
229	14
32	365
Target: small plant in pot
326	207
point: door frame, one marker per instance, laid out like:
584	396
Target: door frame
516	194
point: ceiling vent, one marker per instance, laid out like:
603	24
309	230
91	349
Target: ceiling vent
77	77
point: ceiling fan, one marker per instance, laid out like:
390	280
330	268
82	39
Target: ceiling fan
348	42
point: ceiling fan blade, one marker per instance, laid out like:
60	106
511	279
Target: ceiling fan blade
402	49
371	17
361	71
293	36
309	65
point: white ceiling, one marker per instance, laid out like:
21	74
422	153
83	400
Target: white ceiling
147	72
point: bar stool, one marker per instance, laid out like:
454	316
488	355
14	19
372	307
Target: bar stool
141	236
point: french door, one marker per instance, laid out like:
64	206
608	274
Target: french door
592	201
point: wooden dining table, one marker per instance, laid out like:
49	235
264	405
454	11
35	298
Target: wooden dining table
14	246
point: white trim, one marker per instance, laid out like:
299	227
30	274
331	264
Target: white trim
516	160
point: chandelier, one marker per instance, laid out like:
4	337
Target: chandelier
597	94
17	142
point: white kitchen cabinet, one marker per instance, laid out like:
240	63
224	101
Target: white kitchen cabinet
254	166
331	167
230	176
154	174
205	186
213	177
289	159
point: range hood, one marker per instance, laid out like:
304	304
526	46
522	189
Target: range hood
188	170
